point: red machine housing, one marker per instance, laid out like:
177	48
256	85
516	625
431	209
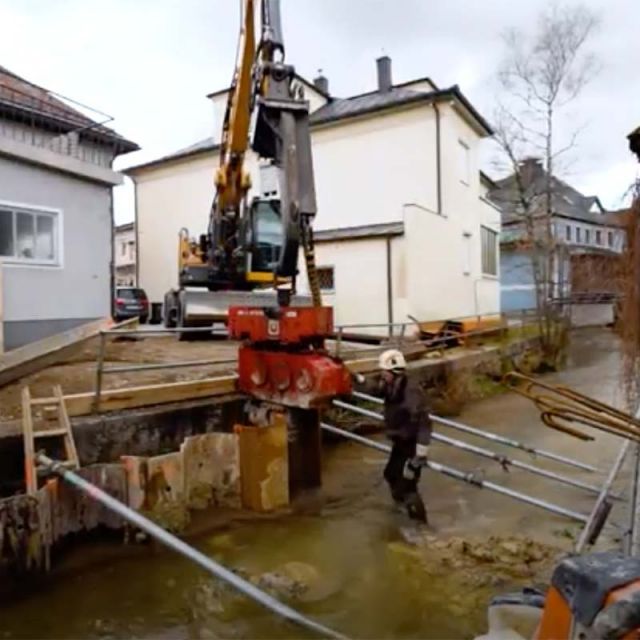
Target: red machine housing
283	358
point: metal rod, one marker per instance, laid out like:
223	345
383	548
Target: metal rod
494	437
504	461
469	478
167	330
99	371
606	487
167	365
181	547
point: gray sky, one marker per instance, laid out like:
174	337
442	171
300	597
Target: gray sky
150	63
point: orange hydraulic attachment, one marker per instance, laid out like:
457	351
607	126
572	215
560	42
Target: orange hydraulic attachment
283	358
593	596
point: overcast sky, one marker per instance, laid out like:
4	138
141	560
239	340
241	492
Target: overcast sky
150	63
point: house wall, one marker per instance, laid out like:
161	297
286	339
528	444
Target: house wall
42	300
124	252
374	169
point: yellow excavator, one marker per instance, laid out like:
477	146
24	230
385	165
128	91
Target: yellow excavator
253	245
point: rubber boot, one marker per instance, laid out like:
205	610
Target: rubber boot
415	508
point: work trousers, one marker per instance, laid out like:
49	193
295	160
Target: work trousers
401	452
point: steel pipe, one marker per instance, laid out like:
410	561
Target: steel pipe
185	550
504	461
494	437
600	502
469	478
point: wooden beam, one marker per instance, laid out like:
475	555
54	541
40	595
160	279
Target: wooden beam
44	353
80	404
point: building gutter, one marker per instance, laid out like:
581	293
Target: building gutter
438	159
112	264
136	235
389	287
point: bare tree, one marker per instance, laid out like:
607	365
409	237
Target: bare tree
540	75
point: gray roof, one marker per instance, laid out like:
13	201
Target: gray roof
342	108
383	230
567	202
203	146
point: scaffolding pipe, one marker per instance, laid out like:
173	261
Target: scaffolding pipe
469	478
167	365
598	507
494	437
504	461
182	548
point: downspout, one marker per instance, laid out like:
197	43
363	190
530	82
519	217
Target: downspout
135	231
438	159
112	264
389	287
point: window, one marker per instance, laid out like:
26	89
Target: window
464	161
578	235
587	236
598	236
29	236
489	240
610	238
567	233
325	278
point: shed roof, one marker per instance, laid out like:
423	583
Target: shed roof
21	98
383	230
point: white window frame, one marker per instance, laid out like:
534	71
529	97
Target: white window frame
496	251
58	236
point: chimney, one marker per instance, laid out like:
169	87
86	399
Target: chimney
384	74
530	169
321	82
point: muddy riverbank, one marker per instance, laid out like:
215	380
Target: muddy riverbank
358	566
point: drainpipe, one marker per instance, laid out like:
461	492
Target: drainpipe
135	231
389	287
438	159
112	264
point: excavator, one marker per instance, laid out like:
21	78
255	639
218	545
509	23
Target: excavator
250	250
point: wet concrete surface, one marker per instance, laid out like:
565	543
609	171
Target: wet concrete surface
359	575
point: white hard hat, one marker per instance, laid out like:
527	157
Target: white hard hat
391	360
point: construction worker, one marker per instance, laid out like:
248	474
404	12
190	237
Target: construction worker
409	428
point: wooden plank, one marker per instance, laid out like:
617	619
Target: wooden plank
80	404
30	475
36	356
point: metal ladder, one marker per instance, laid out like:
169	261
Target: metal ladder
54	410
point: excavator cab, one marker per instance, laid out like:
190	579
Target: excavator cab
264	239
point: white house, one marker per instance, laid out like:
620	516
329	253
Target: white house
403	225
125	254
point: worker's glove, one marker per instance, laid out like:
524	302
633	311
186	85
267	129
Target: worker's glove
359	378
410	469
422	451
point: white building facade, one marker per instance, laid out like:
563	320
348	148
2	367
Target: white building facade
403	226
125	255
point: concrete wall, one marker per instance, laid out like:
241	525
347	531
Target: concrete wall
41	300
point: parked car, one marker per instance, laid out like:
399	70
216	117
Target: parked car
131	302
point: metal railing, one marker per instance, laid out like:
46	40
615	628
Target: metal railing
102	370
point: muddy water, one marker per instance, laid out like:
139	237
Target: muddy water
342	558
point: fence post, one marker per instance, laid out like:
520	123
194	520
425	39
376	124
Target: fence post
99	371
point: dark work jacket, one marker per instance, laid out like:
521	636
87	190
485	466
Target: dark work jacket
406	413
